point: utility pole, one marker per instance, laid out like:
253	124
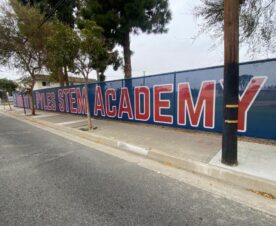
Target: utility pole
231	82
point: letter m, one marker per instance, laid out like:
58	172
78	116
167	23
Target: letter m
205	103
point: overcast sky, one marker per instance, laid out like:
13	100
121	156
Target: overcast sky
174	51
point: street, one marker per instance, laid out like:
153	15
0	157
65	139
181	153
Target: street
49	180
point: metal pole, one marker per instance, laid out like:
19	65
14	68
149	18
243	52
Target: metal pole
231	82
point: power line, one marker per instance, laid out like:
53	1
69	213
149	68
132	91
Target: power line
47	17
51	13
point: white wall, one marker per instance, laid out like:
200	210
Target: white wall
38	85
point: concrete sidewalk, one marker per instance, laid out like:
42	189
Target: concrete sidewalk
198	152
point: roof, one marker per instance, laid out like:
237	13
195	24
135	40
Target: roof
80	79
47	78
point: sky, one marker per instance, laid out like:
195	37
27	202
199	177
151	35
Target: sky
174	51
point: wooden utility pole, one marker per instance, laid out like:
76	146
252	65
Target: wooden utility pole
231	81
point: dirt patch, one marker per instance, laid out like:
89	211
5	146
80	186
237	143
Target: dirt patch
264	194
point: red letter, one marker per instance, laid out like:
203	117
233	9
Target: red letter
125	105
205	100
160	104
19	100
48	101
54	104
247	99
26	101
98	104
138	92
110	93
72	101
39	101
65	92
81	100
60	100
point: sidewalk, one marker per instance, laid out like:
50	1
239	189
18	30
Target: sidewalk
198	152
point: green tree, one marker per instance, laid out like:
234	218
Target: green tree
62	47
7	86
22	41
257	22
121	18
91	55
65	14
104	60
58	62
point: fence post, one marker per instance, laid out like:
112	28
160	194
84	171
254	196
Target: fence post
175	95
23	102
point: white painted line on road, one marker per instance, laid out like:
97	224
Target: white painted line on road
71	122
132	148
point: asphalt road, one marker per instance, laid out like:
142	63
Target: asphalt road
48	180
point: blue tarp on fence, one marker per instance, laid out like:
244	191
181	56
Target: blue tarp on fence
188	99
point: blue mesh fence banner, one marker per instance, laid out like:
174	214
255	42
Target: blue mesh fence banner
190	99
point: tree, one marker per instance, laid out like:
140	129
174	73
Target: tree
63	12
22	41
92	50
104	60
257	22
121	18
7	86
62	48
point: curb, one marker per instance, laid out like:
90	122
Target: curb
238	179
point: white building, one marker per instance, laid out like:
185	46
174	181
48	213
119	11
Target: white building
45	82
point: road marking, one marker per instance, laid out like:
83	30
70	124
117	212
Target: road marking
70	122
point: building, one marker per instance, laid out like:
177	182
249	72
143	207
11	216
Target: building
45	82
